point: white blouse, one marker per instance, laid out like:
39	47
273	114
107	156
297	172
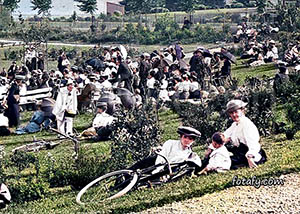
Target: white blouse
247	133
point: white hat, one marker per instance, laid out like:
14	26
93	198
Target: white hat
70	81
233	105
146	55
106	72
297	68
272	41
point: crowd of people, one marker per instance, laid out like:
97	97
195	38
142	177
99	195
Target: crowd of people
260	52
163	75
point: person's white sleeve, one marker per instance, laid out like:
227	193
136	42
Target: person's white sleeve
229	131
251	135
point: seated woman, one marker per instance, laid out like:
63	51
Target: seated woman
242	138
217	157
100	128
35	123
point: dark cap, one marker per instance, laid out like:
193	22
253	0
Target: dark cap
188	131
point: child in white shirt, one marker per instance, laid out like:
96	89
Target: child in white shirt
218	155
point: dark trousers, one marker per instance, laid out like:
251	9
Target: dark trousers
239	156
103	133
146	162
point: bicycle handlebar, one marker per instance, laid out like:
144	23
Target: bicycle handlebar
76	142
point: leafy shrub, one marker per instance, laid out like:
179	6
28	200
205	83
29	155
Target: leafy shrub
77	173
205	117
134	133
22	160
210	116
28	189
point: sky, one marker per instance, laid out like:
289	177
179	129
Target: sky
60	7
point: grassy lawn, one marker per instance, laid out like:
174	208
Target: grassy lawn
283	157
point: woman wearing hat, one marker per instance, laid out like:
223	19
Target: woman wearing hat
175	150
65	108
244	136
35	122
13	97
101	124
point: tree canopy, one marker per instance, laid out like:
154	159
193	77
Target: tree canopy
11	4
43	6
88	6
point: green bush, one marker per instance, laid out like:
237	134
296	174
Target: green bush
205	117
65	171
27	189
134	133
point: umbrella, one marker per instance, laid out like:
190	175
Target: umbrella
95	63
206	53
123	91
229	56
183	64
123	51
166	62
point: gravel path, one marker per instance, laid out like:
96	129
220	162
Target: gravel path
243	199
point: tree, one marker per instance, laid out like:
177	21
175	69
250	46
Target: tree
88	6
43	6
11	4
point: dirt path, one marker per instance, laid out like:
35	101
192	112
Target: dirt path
243	199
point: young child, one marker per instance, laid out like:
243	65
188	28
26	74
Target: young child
217	155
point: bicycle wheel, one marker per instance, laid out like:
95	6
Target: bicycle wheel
107	187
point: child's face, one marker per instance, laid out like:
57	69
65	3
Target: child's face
215	145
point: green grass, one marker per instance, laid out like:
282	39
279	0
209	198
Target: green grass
241	71
283	157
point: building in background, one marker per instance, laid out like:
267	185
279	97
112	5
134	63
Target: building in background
67	8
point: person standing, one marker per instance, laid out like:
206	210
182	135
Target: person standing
65	108
124	74
13	97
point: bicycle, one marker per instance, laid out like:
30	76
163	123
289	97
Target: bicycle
116	184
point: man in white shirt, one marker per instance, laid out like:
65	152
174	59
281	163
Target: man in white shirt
244	137
65	108
4	130
102	122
